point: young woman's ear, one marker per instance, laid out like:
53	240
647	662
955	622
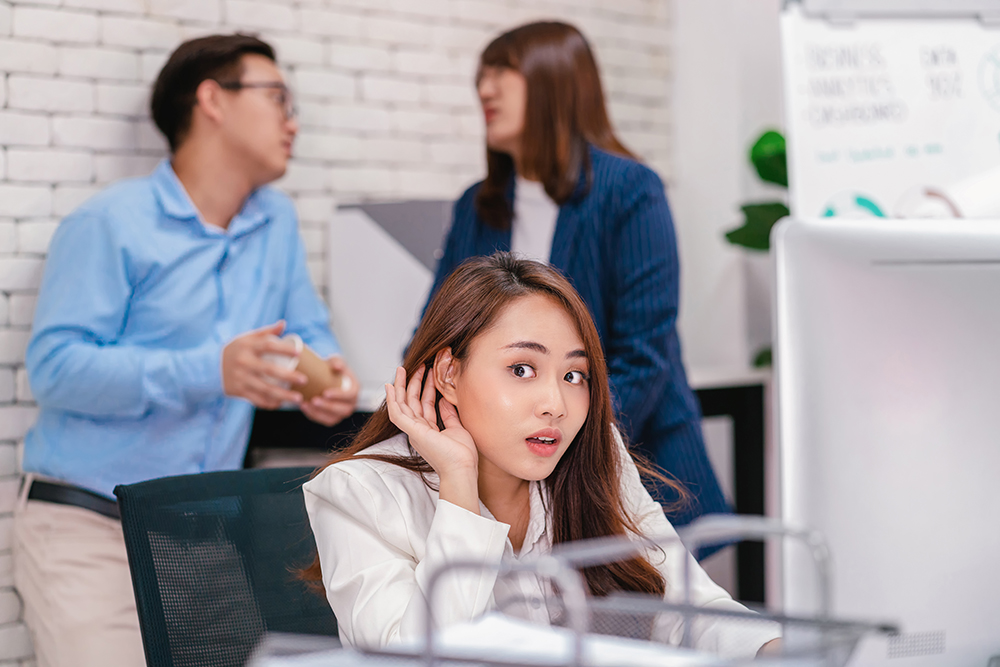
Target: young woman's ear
445	372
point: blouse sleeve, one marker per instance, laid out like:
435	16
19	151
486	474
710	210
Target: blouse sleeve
375	578
723	637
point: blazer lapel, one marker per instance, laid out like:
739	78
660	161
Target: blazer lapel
571	214
565	239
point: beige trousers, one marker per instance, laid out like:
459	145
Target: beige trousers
71	571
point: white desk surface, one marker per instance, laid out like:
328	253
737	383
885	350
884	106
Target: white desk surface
724	377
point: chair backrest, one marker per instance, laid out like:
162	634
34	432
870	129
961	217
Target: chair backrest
214	559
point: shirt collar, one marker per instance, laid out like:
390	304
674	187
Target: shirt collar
177	204
538	520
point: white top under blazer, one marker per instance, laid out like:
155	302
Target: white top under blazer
534	223
381	532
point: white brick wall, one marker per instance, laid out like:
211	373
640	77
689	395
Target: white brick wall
387	110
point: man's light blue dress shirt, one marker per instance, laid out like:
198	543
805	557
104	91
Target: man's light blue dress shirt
138	299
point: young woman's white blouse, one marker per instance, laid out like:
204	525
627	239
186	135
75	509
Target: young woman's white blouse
381	531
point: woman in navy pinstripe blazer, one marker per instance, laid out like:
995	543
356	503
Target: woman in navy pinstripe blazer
613	235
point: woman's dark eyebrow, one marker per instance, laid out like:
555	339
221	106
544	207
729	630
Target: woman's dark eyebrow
528	345
538	347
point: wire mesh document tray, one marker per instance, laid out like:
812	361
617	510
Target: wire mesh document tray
621	630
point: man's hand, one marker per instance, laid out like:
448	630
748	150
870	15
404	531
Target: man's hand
246	375
336	403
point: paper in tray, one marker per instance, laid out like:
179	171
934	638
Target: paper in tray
504	639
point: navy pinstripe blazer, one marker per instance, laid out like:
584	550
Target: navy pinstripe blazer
615	241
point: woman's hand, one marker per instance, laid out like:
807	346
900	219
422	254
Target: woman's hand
451	452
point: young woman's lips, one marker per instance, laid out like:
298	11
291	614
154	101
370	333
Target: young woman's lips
489	114
544	443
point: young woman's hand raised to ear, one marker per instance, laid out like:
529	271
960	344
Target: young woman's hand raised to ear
451	452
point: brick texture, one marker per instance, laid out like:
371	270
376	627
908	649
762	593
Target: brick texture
387	110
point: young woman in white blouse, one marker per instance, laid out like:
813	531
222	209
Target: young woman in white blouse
495	443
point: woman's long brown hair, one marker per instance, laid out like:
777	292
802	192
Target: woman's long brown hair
585	487
564	112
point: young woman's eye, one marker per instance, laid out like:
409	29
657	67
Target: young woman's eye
522	370
576	377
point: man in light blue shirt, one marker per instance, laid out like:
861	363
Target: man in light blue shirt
161	298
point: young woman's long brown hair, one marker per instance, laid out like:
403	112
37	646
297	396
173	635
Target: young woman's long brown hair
564	112
585	487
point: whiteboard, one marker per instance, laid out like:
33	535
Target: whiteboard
377	284
892	117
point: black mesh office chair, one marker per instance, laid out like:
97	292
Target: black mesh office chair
213	560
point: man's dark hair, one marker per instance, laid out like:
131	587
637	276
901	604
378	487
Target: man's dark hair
213	57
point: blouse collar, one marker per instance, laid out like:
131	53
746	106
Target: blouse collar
537	538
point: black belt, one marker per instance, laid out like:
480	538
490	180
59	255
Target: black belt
64	494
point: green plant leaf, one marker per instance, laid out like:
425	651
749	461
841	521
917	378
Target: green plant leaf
768	157
756	230
763	358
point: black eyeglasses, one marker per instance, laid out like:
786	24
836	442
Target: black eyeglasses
284	98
